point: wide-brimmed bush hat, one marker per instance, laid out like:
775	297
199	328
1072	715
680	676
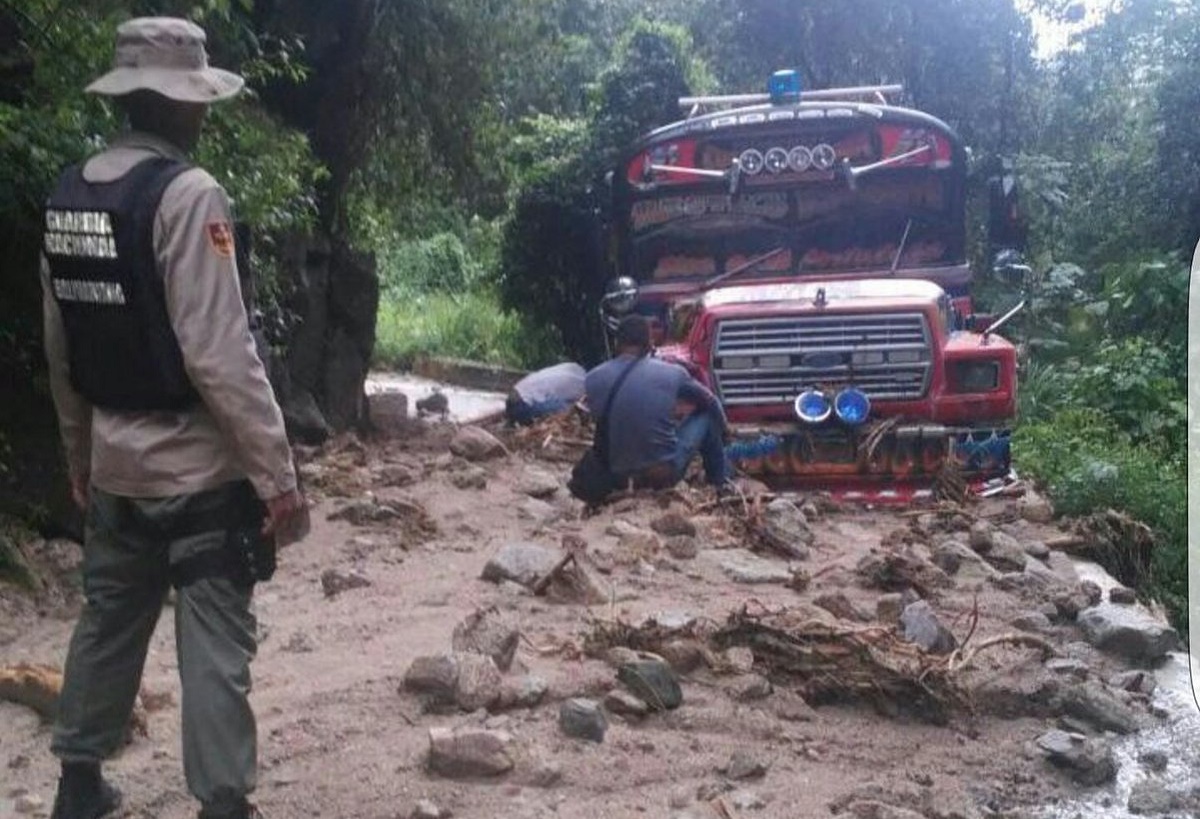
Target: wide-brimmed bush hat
165	55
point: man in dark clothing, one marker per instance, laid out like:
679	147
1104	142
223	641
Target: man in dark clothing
661	416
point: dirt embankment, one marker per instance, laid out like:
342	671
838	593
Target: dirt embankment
829	661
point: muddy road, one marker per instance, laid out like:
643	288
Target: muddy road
403	530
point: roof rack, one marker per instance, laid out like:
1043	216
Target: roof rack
873	93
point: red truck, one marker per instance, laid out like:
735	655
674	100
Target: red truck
804	254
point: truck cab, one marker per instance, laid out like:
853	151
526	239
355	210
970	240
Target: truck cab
804	255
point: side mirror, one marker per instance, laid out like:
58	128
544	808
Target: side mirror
620	296
1009	267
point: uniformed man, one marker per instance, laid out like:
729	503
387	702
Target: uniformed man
174	442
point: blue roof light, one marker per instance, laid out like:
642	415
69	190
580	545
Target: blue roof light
784	86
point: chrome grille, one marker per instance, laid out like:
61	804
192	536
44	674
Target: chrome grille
815	350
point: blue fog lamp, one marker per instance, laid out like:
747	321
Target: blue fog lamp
852	406
784	86
812	407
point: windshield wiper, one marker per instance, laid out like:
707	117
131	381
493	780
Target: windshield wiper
732	174
852	173
900	250
728	274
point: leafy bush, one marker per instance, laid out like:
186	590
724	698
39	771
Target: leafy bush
1088	464
439	264
466	325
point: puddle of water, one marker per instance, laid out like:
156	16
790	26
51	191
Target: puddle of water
466	405
1178	736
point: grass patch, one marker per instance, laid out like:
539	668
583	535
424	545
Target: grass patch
469	325
1087	464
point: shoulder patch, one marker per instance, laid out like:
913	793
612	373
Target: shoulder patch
220	238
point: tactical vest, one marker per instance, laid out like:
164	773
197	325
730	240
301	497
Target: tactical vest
99	242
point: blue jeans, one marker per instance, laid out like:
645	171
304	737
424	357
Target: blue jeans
701	433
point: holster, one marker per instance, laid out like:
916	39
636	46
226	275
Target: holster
246	556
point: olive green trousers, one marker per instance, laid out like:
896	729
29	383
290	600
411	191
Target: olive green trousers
130	546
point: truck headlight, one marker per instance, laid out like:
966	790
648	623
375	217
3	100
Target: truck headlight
852	406
812	407
974	376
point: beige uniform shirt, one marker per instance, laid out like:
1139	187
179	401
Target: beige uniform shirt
237	431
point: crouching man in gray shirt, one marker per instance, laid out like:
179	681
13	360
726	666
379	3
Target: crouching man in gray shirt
660	418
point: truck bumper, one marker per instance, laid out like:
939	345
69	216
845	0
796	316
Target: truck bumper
874	455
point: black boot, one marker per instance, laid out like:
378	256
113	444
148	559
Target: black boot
83	793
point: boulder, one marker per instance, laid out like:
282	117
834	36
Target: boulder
682	547
1088	761
538	483
476	444
1006	553
469	752
485	632
1150	797
653	681
922	626
1037	549
582	719
955	558
1127	632
980	537
524	563
1034	508
436	675
1093	703
1122	596
786	530
524	692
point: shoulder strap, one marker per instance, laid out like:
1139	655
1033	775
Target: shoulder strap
608	407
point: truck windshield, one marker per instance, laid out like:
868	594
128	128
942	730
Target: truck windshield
822	229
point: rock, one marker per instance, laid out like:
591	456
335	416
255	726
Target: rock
1122	596
683	655
389	413
786	530
840	606
29	803
299	643
476	444
654	682
546	773
955	557
980	536
1068	667
791	707
679	798
485	632
1006	553
1154	760
33	686
745	567
673	524
425	809
1033	621
336	581
1069	604
1150	796
1089	761
1093	703
1037	549
749	687
538	483
1127	632
682	547
1062	565
478	683
525	692
888	608
538	511
621	528
811	511
740	659
922	626
746	800
396	475
1140	682
524	563
622	702
469	752
743	765
303	419
1034	508
470	478
436	675
582	719
1092	591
